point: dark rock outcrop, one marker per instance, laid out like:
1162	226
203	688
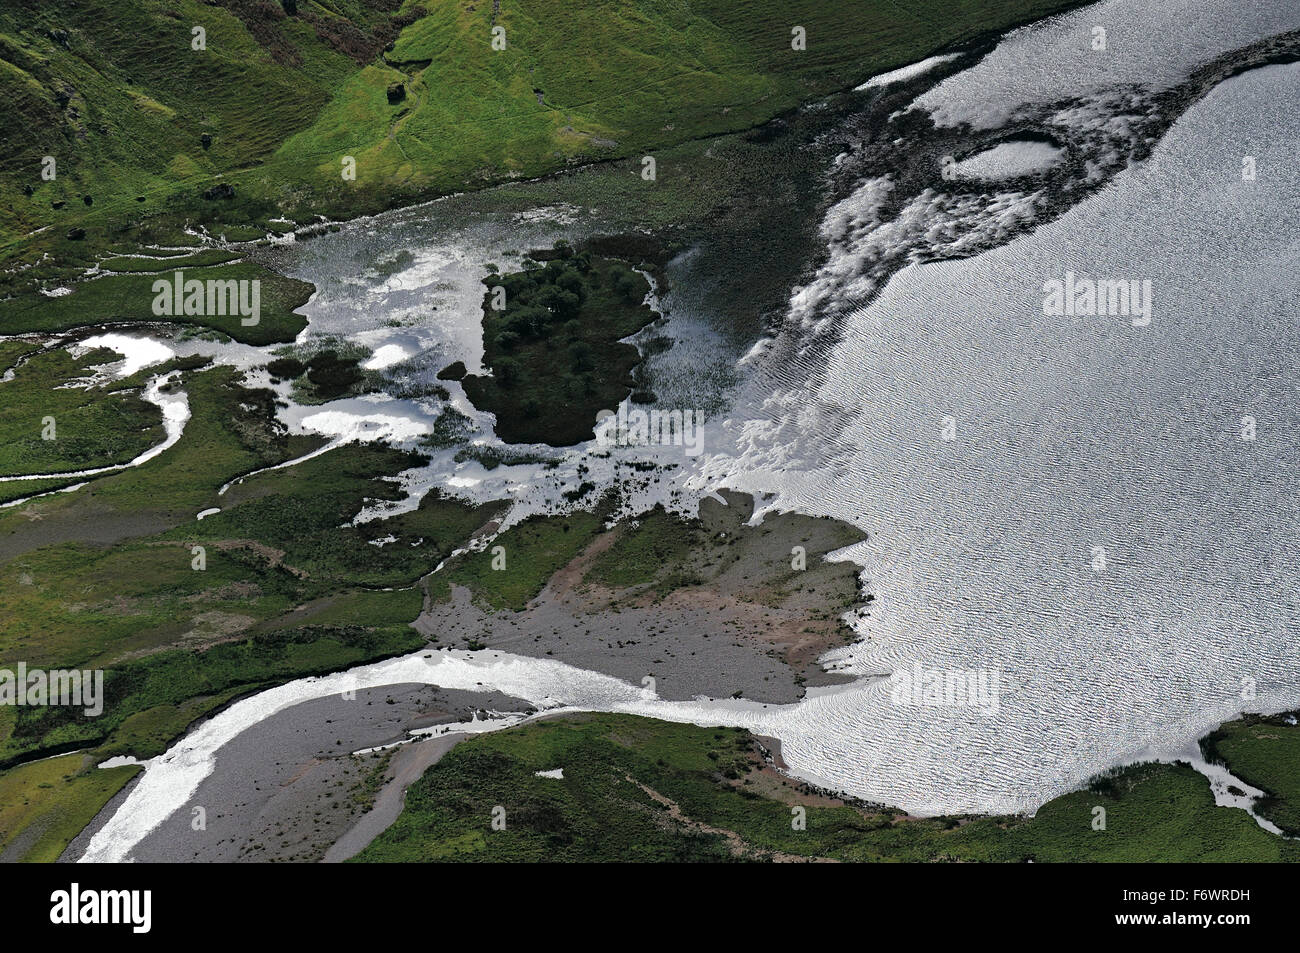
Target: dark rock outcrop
453	372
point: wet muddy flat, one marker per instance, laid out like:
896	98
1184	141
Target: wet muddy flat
290	786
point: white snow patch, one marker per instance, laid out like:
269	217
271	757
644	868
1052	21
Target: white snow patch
349	426
137	352
1008	159
386	356
903	73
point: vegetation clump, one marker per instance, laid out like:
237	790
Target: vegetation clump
552	336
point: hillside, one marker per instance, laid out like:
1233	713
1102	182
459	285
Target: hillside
141	124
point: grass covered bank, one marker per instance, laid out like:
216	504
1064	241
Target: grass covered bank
636	789
46	804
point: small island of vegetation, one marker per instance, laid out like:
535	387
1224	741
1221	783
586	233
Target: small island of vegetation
552	336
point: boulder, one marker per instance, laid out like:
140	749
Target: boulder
453	372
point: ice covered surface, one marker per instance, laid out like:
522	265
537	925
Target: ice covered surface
1148	43
1008	159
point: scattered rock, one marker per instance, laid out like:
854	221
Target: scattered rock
60	37
223	191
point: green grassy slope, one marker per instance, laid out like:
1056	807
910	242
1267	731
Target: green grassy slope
580	81
46	804
635	789
535	549
114	91
116	94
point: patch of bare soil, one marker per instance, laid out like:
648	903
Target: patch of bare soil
727	616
